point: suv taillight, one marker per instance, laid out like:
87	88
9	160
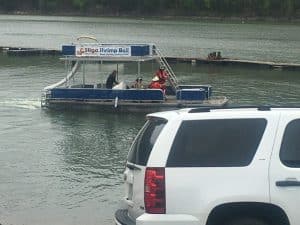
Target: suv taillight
154	190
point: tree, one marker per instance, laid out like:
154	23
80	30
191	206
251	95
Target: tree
287	8
80	4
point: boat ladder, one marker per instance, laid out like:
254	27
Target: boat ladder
163	62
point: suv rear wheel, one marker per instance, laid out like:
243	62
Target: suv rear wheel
247	221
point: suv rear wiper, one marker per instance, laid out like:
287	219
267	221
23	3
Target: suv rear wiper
132	166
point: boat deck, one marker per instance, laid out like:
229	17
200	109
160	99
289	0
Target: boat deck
170	103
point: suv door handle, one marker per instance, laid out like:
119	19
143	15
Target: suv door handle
287	183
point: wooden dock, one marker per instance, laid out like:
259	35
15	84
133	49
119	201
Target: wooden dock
237	62
15	51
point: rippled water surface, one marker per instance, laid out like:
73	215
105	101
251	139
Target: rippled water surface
65	167
259	41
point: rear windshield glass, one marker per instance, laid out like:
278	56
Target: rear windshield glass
290	147
143	144
216	143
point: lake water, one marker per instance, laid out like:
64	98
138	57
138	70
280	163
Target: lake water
65	167
266	42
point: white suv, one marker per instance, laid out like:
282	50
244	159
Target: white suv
237	166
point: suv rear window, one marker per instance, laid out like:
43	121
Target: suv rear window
143	144
290	147
216	143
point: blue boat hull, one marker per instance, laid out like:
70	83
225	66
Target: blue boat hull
134	100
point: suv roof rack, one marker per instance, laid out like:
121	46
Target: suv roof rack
259	108
264	108
200	109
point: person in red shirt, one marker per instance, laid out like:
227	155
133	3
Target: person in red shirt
155	83
162	75
159	80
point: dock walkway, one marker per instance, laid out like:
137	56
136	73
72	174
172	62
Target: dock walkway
15	51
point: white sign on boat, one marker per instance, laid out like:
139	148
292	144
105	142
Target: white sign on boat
96	50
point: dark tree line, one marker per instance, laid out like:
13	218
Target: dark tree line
248	8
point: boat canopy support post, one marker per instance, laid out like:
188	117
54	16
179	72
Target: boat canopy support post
139	68
83	74
117	71
67	69
100	69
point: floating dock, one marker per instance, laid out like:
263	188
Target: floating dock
238	62
15	51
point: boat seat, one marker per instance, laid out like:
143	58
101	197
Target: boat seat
82	86
207	88
191	94
108	94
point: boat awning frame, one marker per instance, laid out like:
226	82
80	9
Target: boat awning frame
110	59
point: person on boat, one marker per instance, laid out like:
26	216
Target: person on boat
156	84
112	80
162	75
159	80
138	83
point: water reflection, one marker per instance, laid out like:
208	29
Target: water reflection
93	150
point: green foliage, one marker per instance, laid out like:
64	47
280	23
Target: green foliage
207	4
275	8
187	4
80	3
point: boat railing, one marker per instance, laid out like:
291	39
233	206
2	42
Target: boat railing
87	37
172	77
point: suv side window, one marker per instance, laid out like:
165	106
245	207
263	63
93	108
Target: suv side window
143	144
216	143
290	146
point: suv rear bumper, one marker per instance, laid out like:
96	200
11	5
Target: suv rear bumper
122	218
